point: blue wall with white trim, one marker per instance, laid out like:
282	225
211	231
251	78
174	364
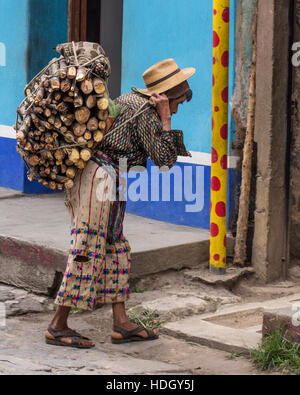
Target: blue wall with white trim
29	29
179	29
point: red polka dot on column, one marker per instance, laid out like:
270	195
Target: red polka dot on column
215	184
215	12
216	39
217	109
225	15
225	95
224	131
224	162
221	209
224	260
217	257
225	59
213	81
225	240
214	60
214	230
214	156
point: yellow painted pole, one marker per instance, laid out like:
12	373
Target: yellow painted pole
219	136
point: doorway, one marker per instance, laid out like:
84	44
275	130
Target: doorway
100	21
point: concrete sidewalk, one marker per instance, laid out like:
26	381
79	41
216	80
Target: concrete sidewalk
34	242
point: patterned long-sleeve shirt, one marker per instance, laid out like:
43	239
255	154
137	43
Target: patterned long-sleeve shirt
142	137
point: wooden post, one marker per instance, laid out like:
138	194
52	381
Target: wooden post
240	253
77	20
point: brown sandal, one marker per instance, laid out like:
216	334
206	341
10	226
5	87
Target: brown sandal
58	335
130	336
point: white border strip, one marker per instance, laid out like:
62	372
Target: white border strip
204	159
198	158
7	132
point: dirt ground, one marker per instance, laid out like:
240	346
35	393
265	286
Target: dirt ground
23	350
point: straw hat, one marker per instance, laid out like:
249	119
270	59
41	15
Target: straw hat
163	76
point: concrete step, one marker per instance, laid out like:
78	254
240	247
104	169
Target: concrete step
34	243
235	329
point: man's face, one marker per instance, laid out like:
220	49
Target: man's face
174	103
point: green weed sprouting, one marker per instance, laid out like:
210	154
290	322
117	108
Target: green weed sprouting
277	353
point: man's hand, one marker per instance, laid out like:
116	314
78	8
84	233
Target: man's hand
161	103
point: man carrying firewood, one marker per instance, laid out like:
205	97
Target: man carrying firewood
98	267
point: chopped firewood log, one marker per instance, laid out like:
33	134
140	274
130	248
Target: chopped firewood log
99	86
91	101
68	99
78	99
48	138
63	129
74	155
73	87
57	96
102	125
65	85
79	129
60	187
81	141
82	115
51	119
52	185
69	137
34	160
20	136
85	155
62	107
80	164
57	123
87	87
98	136
69	184
46	83
28	147
69	163
40	95
71	172
67	119
44	125
63	168
90	144
59	154
103	104
47	112
88	136
63	69
92	124
61	179
103	115
81	74
47	155
54	82
72	72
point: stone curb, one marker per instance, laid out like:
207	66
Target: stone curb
40	269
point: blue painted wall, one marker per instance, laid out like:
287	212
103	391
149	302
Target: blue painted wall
29	30
14	35
155	30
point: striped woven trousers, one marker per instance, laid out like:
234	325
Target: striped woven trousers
98	267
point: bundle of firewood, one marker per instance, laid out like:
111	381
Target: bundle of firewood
64	116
